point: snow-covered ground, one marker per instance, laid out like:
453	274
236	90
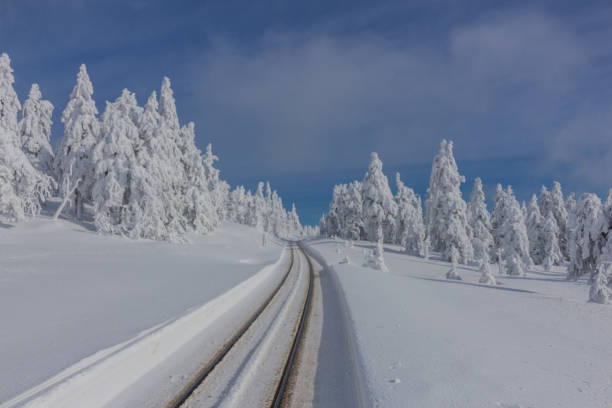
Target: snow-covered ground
67	293
425	341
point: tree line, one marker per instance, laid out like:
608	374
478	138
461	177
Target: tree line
136	171
551	230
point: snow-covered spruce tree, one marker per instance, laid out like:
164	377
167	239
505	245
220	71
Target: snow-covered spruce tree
35	131
73	163
379	208
553	202
514	242
480	221
294	225
198	208
551	251
22	187
353	212
445	211
585	252
219	189
334	219
162	209
237	206
115	163
535	225
498	214
410	228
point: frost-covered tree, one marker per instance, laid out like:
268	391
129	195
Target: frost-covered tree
535	225
601	290
161	161
115	163
73	161
35	131
513	234
410	228
551	251
498	214
375	257
22	187
353	212
452	272
219	189
379	208
480	221
585	252
553	202
198	208
294	225
445	211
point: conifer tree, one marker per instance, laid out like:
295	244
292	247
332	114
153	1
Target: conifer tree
35	131
73	162
445	211
480	221
114	159
410	228
22	188
586	251
513	242
552	252
379	208
535	225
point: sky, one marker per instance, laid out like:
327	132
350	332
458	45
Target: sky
300	93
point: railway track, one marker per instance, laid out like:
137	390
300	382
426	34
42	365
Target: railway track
265	345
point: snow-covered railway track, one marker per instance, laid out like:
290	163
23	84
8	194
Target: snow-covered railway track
253	367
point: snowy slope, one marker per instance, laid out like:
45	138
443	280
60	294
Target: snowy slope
66	292
425	341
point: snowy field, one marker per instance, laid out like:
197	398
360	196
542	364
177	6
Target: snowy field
67	292
425	341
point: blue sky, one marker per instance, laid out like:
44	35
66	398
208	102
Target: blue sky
299	93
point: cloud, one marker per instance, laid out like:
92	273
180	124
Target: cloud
321	101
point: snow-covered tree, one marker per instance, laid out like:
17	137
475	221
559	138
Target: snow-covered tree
551	251
375	257
512	233
219	189
486	277
379	208
480	221
601	290
553	202
22	187
353	212
410	228
114	159
498	214
198	208
585	252
445	211
452	272
535	225
35	131
73	162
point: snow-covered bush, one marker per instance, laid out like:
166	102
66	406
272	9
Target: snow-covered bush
486	277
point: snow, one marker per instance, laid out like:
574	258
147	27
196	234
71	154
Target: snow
425	341
67	293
